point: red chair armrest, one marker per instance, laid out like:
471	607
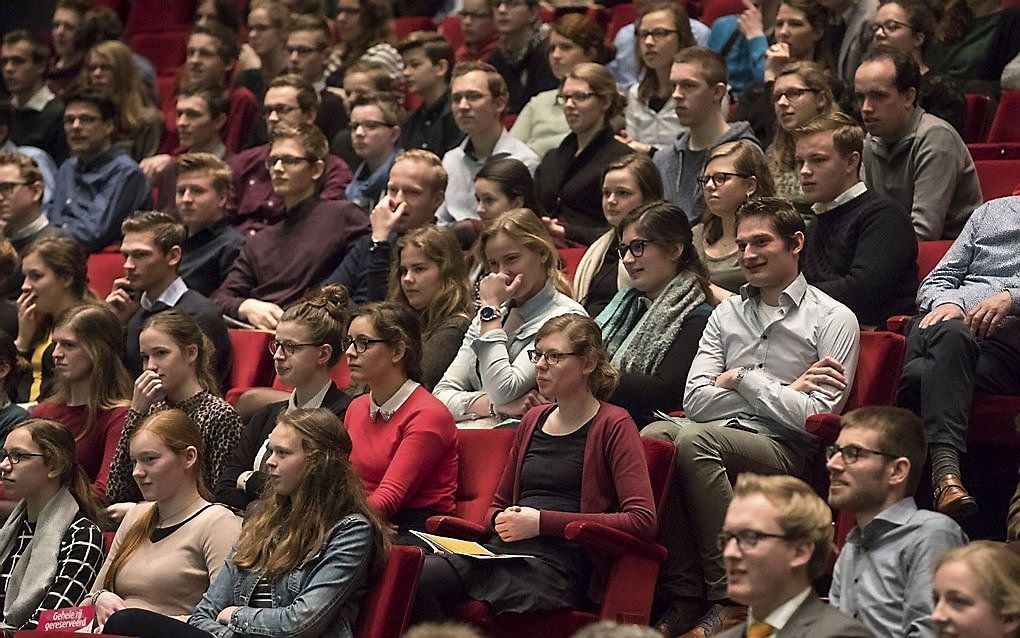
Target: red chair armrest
897	323
456	528
825	426
610	542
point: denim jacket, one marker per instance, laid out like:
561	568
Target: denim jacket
320	597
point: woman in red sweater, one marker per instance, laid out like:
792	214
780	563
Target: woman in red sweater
405	440
580	459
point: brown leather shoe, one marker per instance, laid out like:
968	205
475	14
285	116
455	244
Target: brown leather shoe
681	616
952	499
718	619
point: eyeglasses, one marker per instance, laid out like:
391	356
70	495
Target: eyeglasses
289	347
552	358
369	125
84	118
635	247
791	94
852	453
473	97
288	161
719	178
105	68
657	34
477	15
890	26
6	188
279	109
746	538
361	344
303	51
17	457
576	98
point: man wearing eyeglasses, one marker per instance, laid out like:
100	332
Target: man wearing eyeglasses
478	26
883	576
308	48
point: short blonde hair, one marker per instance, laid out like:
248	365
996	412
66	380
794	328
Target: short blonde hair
525	228
438	175
996	571
307	135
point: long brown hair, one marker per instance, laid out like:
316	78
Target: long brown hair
780	153
285	530
648	85
398	323
133	110
747	160
185	332
454	296
522	226
666	224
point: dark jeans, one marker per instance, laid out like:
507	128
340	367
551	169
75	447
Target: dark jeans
149	624
439	589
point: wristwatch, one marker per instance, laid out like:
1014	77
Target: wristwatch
488	313
741	373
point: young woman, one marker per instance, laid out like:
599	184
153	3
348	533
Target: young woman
50	546
627	183
405	440
974	39
569	176
430	276
306	348
326	542
579	459
491	376
172	546
64	72
267	37
11	413
365	30
573	39
652	329
110	68
92	387
522	55
218	12
977	592
735	172
55	280
178	375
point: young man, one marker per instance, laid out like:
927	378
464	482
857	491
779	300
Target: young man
98	186
202	189
289	101
479	103
775	541
862	250
911	156
769	358
699	84
308	47
414	191
478	26
849	33
151	284
375	129
522	57
37	111
263	280
428	68
884	571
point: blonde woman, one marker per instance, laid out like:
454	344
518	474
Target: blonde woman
977	592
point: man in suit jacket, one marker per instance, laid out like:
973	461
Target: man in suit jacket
775	541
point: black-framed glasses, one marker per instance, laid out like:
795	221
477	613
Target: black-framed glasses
551	357
105	68
636	247
368	125
852	453
719	178
302	51
17	457
361	344
473	97
746	538
288	161
84	118
280	109
889	26
792	94
6	188
577	98
657	34
288	347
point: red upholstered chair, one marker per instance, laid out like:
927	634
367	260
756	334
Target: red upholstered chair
449	28
718	8
405	26
386	608
148	16
980	110
571	258
253	366
102	268
481	458
165	49
929	254
1003	151
1006	125
998	178
620	16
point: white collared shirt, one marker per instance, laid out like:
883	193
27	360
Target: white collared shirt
782	614
170	296
314	402
39	99
394	402
853	192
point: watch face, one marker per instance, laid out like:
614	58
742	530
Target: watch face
488	313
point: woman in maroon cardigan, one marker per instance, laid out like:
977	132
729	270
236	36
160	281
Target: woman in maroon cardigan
579	459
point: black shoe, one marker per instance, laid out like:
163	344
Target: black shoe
680	617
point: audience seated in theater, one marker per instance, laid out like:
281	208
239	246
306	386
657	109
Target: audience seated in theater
624	66
479	102
91	388
11	370
783	534
152	284
522	57
289	101
43	161
974	40
478	27
986	573
580	459
99	185
363	78
260	284
51	547
37	112
573	39
405	440
800	93
202	190
178	376
627	182
699	87
330	542
414	191
861	249
848	34
21	211
64	71
306	348
662	30
201	115
740	39
139	123
492	377
375	132
171	546
429	276
264	55
735	172
102	23
652	327
883	577
364	29
428	69
964	341
911	156
569	177
55	280
761	397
